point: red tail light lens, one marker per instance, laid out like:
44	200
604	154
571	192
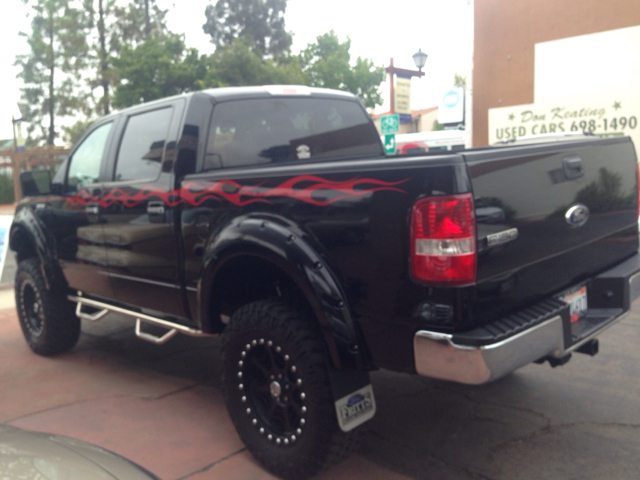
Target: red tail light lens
443	240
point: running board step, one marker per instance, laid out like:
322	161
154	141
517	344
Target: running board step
104	308
152	338
92	317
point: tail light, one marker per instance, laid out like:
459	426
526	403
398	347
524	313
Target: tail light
443	240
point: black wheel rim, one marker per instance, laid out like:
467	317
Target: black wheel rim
272	392
31	306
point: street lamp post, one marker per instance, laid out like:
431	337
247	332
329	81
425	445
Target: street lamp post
17	191
420	59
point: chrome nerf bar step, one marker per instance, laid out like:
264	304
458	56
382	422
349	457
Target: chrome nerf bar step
104	308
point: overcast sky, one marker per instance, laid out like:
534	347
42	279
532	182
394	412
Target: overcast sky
378	30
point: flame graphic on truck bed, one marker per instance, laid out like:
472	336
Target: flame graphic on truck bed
318	191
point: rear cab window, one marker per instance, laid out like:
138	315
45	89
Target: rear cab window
279	130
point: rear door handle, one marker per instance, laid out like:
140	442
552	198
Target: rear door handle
155	208
92	209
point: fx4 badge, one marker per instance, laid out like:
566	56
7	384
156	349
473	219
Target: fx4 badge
577	215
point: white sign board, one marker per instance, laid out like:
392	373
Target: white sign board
5	224
451	109
609	116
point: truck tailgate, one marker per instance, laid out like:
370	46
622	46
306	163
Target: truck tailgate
531	242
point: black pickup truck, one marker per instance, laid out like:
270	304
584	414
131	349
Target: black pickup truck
271	216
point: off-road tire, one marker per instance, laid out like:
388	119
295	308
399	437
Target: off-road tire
270	348
48	321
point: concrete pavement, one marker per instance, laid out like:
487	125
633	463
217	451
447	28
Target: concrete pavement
161	407
158	406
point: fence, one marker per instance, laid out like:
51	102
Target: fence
34	158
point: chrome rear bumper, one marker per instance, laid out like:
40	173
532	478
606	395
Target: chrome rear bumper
438	356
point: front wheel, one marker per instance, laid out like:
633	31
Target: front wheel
277	390
46	316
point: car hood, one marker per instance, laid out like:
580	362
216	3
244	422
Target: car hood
33	455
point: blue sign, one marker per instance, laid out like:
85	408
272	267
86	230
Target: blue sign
405	117
451	98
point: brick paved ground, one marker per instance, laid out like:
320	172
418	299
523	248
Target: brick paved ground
161	407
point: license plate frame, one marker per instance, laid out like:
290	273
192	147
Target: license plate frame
577	300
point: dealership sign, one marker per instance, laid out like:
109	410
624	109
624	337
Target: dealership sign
607	117
402	95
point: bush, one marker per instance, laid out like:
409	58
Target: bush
6	188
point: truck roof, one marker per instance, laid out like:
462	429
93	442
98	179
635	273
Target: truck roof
235	93
265	91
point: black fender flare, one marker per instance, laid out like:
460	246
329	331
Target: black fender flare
27	226
282	243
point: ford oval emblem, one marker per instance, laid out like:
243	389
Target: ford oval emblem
577	215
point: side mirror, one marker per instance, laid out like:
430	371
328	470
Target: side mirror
35	183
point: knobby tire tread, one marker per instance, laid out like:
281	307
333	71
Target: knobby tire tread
332	445
61	329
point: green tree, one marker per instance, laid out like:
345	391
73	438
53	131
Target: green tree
259	22
73	132
459	80
238	65
111	28
327	64
159	67
50	71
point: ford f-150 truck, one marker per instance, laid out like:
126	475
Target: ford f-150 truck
271	216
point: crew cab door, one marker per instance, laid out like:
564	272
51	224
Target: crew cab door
140	239
73	214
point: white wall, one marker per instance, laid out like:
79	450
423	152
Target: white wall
602	64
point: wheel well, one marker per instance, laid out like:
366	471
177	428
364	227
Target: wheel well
22	244
247	279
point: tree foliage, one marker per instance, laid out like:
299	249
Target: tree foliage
72	133
50	71
238	65
159	67
259	22
459	80
112	27
327	64
88	56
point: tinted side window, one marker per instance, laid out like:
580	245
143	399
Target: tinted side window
246	132
84	165
142	146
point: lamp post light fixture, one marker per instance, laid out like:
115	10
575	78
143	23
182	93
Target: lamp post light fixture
24	111
420	60
23	106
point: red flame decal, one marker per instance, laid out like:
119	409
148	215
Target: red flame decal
195	194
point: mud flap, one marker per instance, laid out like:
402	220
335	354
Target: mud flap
352	397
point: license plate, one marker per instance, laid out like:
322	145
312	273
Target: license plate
577	300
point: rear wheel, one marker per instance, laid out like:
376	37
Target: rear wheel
277	390
46	316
